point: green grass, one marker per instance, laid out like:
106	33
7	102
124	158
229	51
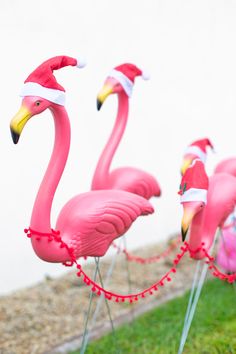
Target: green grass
213	330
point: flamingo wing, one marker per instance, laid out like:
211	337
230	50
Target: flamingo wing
227	166
135	181
91	221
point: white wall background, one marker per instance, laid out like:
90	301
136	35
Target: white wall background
188	47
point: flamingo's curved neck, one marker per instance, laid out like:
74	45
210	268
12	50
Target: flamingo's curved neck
196	229
203	228
41	214
101	175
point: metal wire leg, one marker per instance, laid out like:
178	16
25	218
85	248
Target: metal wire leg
101	299
192	309
194	300
84	339
193	288
106	302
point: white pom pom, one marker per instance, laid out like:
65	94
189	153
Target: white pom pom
81	62
145	75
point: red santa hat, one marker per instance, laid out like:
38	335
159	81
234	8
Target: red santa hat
126	74
41	82
194	183
199	148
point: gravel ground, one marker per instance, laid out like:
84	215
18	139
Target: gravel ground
37	319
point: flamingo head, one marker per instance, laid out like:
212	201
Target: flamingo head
190	210
197	150
193	193
111	85
187	161
120	79
31	106
41	90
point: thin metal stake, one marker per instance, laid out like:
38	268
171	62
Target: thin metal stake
83	345
106	302
101	299
192	309
109	315
195	280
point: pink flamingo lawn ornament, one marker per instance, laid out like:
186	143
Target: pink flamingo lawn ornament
121	81
207	202
227	246
89	222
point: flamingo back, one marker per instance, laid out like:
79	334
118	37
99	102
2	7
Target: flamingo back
90	222
227	166
135	181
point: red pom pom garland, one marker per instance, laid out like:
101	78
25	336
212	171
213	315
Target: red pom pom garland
141	260
99	290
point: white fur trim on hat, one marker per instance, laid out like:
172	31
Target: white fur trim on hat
81	62
34	89
194	195
195	150
125	82
145	75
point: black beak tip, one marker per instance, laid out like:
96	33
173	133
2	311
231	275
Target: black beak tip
99	104
15	136
184	234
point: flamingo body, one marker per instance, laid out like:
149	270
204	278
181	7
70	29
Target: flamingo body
90	221
227	165
133	180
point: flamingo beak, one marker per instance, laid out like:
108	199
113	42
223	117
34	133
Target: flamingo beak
185	165
103	94
18	122
186	221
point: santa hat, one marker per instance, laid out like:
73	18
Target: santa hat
126	74
194	183
41	82
199	148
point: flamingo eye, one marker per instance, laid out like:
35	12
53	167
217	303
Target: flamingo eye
37	103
